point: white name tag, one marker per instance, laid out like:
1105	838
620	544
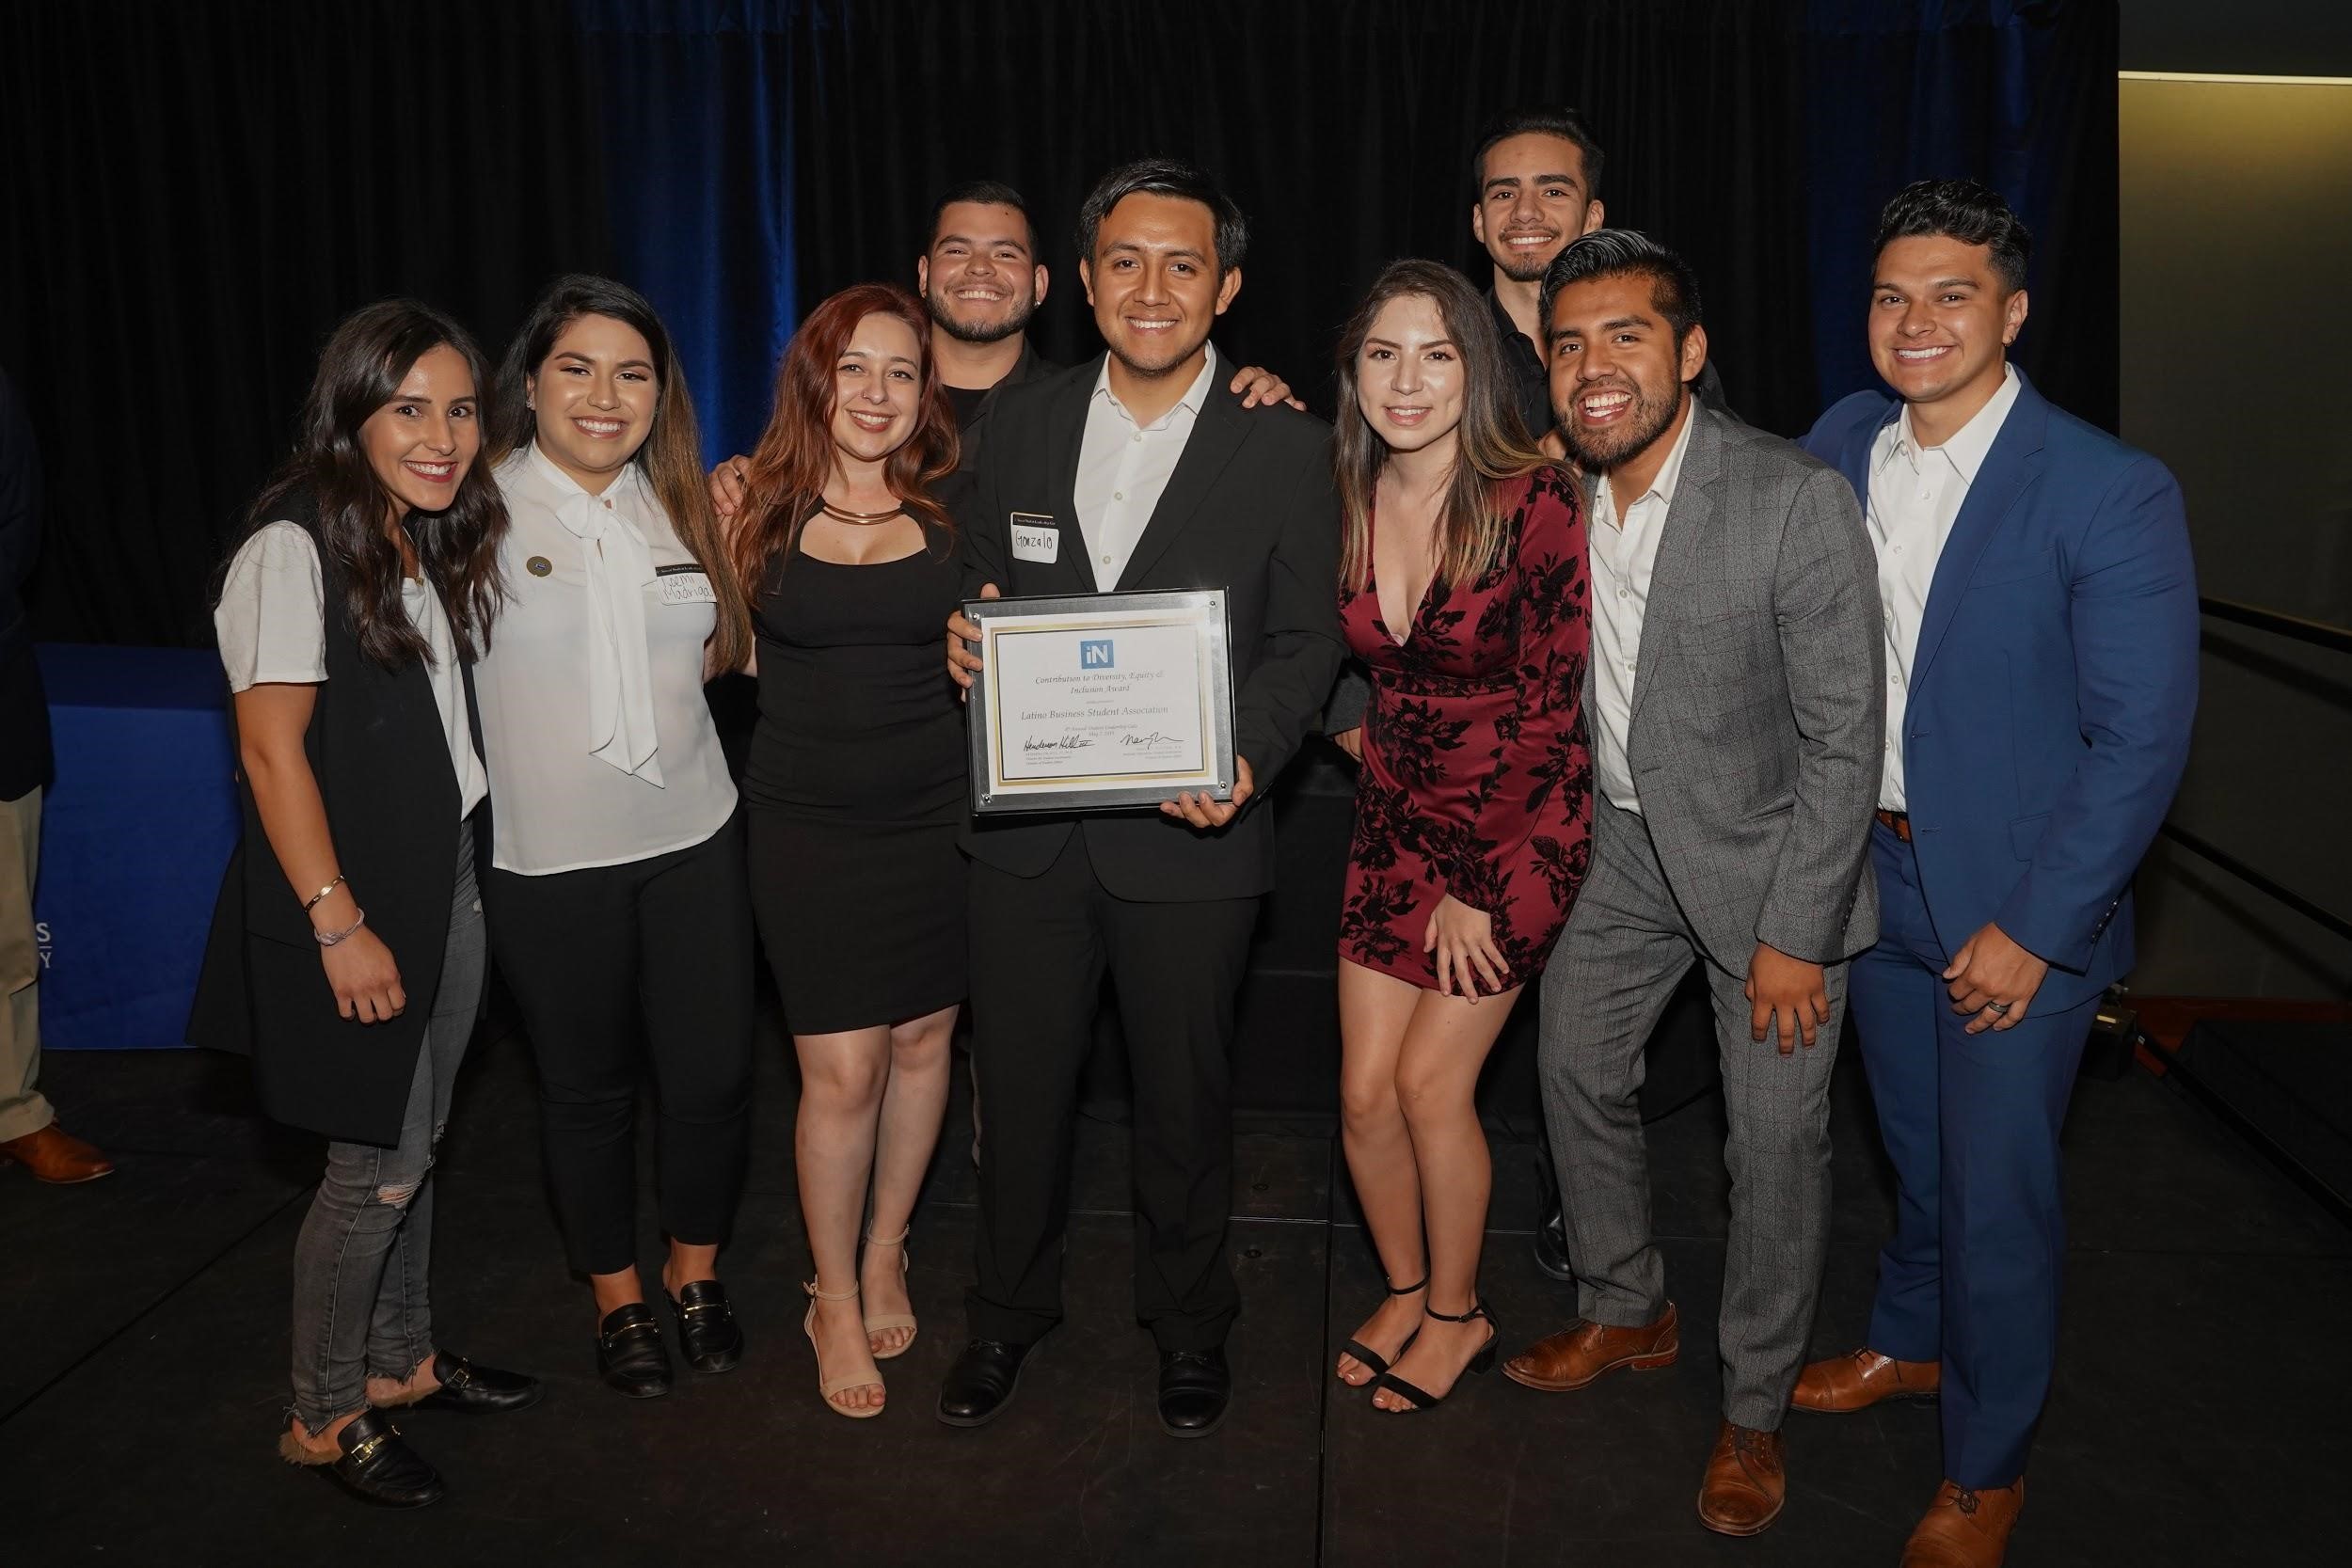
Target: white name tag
1034	538
687	588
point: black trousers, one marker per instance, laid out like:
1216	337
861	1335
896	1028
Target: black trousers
613	966
1039	948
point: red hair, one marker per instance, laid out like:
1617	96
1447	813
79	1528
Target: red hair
795	455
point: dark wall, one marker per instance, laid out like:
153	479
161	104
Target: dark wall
2236	235
2260	37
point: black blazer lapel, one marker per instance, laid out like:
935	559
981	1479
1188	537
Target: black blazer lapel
1217	435
1065	433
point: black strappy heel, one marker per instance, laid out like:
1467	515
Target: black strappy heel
1484	1361
1373	1359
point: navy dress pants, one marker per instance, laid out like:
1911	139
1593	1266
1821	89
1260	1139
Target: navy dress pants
1971	1276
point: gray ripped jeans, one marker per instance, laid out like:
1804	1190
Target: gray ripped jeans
362	1308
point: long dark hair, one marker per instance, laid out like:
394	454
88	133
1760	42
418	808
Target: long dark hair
795	454
328	476
1491	444
671	457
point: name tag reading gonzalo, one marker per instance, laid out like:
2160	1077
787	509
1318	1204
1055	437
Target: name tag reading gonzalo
1098	701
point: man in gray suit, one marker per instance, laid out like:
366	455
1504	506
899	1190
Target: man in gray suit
1737	724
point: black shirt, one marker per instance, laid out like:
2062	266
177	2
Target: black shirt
1530	380
966	402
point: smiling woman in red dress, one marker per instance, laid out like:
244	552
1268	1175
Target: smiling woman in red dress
1462	588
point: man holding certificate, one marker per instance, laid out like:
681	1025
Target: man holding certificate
1214	536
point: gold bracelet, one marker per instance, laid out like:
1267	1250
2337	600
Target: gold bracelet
315	899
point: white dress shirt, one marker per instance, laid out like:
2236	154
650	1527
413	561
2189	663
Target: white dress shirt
1124	467
1624	553
271	626
1915	495
600	744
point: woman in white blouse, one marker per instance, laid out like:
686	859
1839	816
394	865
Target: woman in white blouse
366	577
620	911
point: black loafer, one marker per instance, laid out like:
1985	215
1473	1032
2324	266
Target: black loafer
1552	1247
378	1467
479	1390
630	1353
1551	1236
1195	1389
980	1384
706	1331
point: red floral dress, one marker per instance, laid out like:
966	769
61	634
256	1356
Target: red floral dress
1477	777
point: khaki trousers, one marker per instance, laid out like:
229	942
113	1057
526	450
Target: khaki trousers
22	1108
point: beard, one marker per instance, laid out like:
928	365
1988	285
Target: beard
979	332
1526	268
1651	415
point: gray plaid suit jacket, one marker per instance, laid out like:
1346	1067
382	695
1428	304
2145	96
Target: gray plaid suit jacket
1759	710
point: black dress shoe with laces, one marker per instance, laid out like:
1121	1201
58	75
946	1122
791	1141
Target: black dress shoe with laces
479	1390
1196	1387
378	1467
629	1354
980	1384
708	1336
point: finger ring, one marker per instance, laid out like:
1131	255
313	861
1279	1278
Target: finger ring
2001	1008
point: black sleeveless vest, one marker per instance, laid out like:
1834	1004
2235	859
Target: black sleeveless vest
376	748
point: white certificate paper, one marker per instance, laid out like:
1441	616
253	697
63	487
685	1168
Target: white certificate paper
1090	700
1121	705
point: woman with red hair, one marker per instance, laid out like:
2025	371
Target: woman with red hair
856	789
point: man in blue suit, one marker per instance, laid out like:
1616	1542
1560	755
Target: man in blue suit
2040	612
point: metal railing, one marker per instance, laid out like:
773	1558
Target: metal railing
2319	634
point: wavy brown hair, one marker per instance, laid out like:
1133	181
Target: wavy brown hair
327	477
1492	445
796	454
670	454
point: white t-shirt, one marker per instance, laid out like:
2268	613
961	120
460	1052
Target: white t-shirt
600	742
272	625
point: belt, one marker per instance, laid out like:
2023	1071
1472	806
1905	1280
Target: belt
1897	821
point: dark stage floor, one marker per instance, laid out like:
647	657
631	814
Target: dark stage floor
2200	1417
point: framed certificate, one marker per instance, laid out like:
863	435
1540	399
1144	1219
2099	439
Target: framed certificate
1096	701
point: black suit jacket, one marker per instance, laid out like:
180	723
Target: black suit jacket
1250	509
25	757
955	491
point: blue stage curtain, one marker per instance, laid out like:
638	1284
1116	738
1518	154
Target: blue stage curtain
2020	94
697	107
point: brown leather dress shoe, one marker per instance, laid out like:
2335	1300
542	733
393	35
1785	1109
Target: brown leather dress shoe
1746	1482
1580	1352
53	1154
1964	1528
1861	1379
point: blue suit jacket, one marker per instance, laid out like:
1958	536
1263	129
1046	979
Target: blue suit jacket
2051	696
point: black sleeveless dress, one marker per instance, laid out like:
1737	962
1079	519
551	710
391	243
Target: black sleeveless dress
856	791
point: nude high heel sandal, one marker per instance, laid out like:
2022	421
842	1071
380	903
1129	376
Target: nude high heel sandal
877	1323
826	1387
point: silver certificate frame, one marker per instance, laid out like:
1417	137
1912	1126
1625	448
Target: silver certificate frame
1094	702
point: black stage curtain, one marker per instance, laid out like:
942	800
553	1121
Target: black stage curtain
196	194
1344	132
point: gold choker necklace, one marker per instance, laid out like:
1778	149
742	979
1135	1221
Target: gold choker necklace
839	514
